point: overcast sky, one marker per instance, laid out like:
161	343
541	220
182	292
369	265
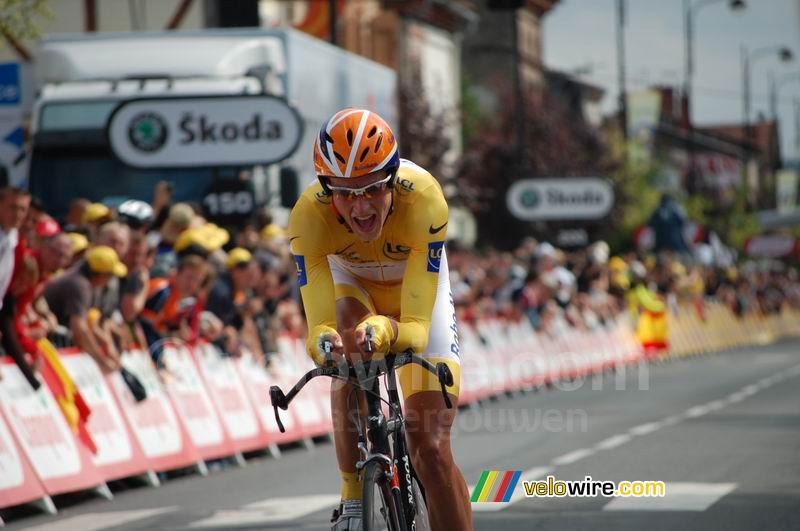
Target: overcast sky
580	34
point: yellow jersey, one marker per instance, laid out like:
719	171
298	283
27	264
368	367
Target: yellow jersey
399	270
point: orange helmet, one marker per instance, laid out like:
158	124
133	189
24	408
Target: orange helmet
355	142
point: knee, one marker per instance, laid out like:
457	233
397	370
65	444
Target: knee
432	458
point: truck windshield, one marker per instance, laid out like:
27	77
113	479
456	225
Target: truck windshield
59	174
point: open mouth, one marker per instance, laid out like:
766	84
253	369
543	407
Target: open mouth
365	223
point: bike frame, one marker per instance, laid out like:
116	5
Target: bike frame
367	378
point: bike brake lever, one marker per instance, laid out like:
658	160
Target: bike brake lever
445	379
369	333
278	401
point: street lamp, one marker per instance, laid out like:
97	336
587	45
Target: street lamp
748	60
775	87
690	12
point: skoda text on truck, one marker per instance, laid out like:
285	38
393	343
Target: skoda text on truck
116	113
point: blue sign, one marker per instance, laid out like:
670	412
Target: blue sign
10	90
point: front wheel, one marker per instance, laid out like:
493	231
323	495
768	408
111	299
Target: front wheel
381	504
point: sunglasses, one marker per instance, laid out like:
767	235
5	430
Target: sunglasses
367	192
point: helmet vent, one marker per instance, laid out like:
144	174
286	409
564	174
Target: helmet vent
328	138
378	143
372	131
339	157
364	154
350	137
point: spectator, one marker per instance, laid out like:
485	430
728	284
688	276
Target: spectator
75	213
14	204
70	298
173	306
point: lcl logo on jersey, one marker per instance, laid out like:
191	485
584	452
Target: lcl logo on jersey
396	251
300	262
435	250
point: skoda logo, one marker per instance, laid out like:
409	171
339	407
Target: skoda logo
147	132
529	198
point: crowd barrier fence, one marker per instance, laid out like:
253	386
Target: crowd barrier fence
204	405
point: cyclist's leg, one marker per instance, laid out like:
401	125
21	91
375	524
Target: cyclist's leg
353	304
429	421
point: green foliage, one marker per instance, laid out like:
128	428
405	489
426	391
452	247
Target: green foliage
636	192
697	208
20	19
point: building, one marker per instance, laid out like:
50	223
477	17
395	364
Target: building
420	39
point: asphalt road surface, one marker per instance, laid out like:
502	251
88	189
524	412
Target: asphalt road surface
721	431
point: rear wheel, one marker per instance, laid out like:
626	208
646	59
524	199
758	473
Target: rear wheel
381	505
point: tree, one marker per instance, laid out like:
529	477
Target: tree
423	130
20	19
558	143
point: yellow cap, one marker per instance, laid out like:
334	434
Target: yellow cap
103	259
208	237
617	264
188	238
79	241
677	269
95	212
272	230
215	236
237	257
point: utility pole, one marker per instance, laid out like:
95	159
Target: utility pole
519	97
332	20
623	104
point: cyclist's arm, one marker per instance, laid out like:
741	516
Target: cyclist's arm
309	241
421	278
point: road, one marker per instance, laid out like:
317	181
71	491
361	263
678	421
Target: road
722	431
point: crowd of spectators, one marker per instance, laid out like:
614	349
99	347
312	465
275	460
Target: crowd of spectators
587	288
110	279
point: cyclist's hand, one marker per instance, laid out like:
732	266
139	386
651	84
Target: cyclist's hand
324	344
381	336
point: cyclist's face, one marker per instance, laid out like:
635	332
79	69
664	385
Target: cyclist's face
365	209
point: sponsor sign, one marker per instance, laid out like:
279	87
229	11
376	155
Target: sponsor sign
563	198
786	190
777	246
204	131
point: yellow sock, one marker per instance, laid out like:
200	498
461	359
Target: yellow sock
352	486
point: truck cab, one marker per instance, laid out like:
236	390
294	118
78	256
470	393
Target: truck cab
85	79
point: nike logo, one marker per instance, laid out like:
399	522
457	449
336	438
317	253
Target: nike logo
434	230
293	239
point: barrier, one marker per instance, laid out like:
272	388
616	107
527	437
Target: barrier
60	462
206	405
18	482
257	380
161	434
230	398
190	398
118	453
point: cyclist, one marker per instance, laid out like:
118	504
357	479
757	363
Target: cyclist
368	241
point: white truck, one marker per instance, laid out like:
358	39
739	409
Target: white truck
85	80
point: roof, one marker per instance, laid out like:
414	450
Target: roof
166	54
764	134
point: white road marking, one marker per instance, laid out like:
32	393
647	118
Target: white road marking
577	455
678	497
519	492
670	421
697	411
100	520
270	510
644	429
613	442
